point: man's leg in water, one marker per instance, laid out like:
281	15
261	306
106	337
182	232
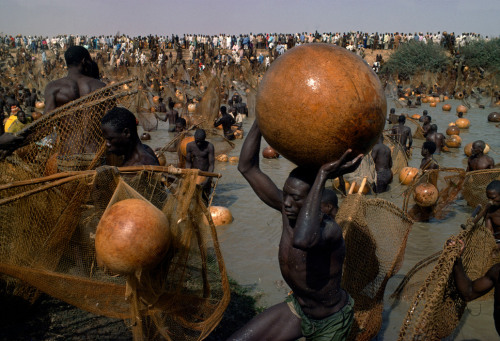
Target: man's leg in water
277	323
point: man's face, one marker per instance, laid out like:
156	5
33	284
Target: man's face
179	127
21	117
477	148
294	194
116	142
494	197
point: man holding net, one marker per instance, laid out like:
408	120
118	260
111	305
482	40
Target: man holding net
311	252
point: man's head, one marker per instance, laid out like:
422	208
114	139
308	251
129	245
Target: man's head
425	113
493	192
119	128
180	125
401	119
75	55
427	119
223	110
478	147
329	203
295	190
199	137
428	148
433	128
21	116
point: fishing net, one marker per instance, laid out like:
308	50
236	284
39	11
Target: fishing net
448	181
418	131
437	307
47	241
475	183
367	170
375	233
67	139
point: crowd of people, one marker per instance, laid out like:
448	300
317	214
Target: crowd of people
308	236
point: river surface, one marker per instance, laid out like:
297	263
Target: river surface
250	243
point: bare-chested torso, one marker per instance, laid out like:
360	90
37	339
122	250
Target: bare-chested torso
65	90
438	139
315	282
402	134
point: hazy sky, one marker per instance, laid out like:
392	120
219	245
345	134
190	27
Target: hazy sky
135	17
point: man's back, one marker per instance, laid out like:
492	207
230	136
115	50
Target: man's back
67	89
382	157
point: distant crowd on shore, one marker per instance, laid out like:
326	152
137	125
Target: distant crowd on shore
351	40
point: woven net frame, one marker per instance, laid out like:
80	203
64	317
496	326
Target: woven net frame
375	233
47	244
437	307
66	139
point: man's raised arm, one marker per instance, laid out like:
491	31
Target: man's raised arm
248	166
308	233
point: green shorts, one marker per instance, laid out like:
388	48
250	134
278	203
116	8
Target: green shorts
335	327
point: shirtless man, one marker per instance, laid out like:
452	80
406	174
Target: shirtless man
381	155
119	128
428	162
200	154
76	84
470	290
171	115
437	138
79	82
478	160
311	252
493	213
426	127
227	121
329	203
424	114
402	133
161	106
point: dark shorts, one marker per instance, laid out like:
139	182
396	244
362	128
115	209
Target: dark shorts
384	178
332	328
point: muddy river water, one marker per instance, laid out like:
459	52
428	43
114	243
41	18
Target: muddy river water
250	243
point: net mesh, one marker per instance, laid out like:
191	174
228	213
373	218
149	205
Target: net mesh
49	227
375	233
367	167
475	183
67	139
448	181
437	307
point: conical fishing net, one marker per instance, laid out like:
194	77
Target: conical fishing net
475	183
418	132
375	233
448	181
367	167
67	139
437	307
47	241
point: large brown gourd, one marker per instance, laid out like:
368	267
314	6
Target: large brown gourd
318	100
132	235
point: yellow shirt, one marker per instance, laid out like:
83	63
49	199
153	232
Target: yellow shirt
9	121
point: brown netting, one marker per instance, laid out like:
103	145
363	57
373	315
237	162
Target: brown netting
367	167
67	139
474	188
399	156
375	233
418	131
448	181
437	307
47	241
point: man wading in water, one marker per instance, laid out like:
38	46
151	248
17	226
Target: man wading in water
311	253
